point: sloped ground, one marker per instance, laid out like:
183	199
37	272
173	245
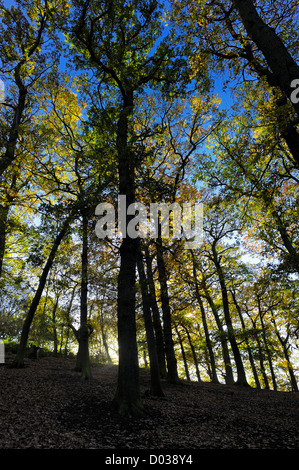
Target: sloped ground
46	405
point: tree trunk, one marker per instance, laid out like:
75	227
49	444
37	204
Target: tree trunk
156	388
19	359
83	362
261	358
204	322
262	365
68	320
266	345
104	339
283	343
9	156
250	355
193	354
55	337
241	376
127	397
183	352
4	209
283	230
172	373
214	377
156	316
279	60
229	378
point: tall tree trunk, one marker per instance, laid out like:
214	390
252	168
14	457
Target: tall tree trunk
284	68
68	320
287	241
229	378
172	372
250	355
55	337
83	362
4	209
204	322
19	359
127	397
241	376
9	155
214	377
261	358
262	365
193	354
104	339
156	388
269	356
156	315
284	343
183	352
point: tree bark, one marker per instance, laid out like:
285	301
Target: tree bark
250	355
55	337
193	353
127	397
19	359
104	340
83	361
172	373
183	352
9	156
261	315
284	343
156	316
4	209
262	365
229	378
241	376
156	388
68	320
204	322
278	58
293	252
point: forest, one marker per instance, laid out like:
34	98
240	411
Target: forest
108	107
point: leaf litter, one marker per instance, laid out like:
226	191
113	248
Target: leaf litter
47	405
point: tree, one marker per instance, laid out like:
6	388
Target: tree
117	40
282	66
156	388
204	320
172	372
85	329
244	50
25	59
19	359
218	227
156	314
248	347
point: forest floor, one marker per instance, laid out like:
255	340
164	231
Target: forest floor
47	405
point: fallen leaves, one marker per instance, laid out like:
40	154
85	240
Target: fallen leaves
46	405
